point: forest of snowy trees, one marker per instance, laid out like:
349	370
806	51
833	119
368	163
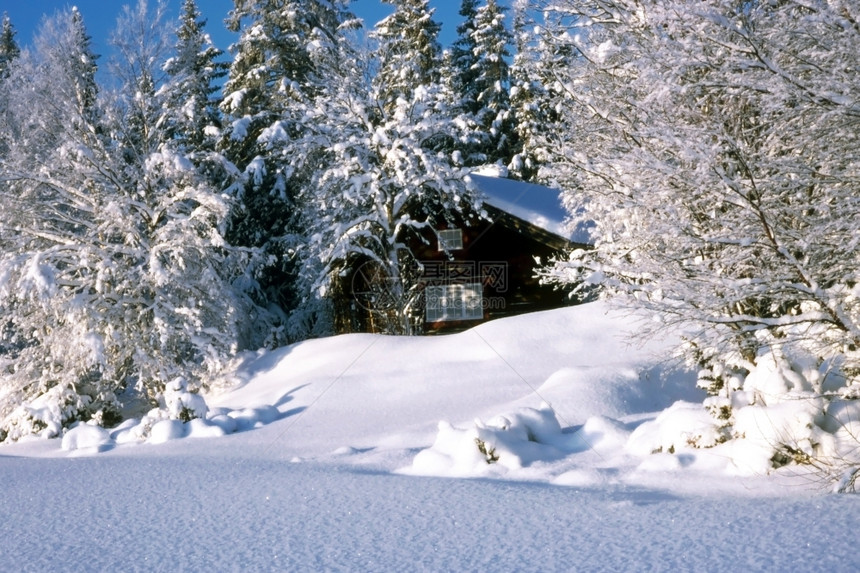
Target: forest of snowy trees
185	204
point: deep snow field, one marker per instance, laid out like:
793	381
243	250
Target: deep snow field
360	453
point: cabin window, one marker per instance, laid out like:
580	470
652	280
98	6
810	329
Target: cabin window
450	239
454	302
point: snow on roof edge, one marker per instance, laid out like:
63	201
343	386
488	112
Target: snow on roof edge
538	205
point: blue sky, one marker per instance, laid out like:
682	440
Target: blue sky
100	16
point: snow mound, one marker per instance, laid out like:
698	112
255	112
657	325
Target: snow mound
600	391
227	424
200	428
250	418
507	443
167	430
88	438
682	426
600	434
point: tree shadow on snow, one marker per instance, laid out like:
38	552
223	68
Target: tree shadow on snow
254	364
291	412
288	396
642	497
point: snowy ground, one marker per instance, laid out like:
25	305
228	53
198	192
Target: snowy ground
339	462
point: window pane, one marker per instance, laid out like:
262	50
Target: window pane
450	239
472	299
454	302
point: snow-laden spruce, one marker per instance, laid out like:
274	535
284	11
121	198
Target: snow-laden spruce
191	115
531	108
480	80
378	166
278	66
9	49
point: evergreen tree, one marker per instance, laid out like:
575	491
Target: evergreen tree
464	58
530	92
484	80
277	57
9	49
408	52
191	115
9	52
82	68
275	71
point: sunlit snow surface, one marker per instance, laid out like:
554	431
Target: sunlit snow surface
329	453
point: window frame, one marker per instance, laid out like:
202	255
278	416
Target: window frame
448	241
454	302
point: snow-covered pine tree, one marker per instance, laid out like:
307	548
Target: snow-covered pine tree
191	109
9	49
532	81
484	81
380	169
191	121
714	145
9	52
408	52
463	55
115	279
274	73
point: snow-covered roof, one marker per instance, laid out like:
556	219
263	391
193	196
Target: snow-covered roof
536	204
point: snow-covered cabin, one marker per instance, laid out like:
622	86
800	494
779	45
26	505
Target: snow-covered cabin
468	272
486	269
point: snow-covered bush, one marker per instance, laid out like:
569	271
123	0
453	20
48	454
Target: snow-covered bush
781	411
506	443
683	425
181	404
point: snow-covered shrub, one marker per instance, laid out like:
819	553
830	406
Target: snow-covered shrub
488	452
86	437
182	404
780	412
47	414
505	443
788	410
683	425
